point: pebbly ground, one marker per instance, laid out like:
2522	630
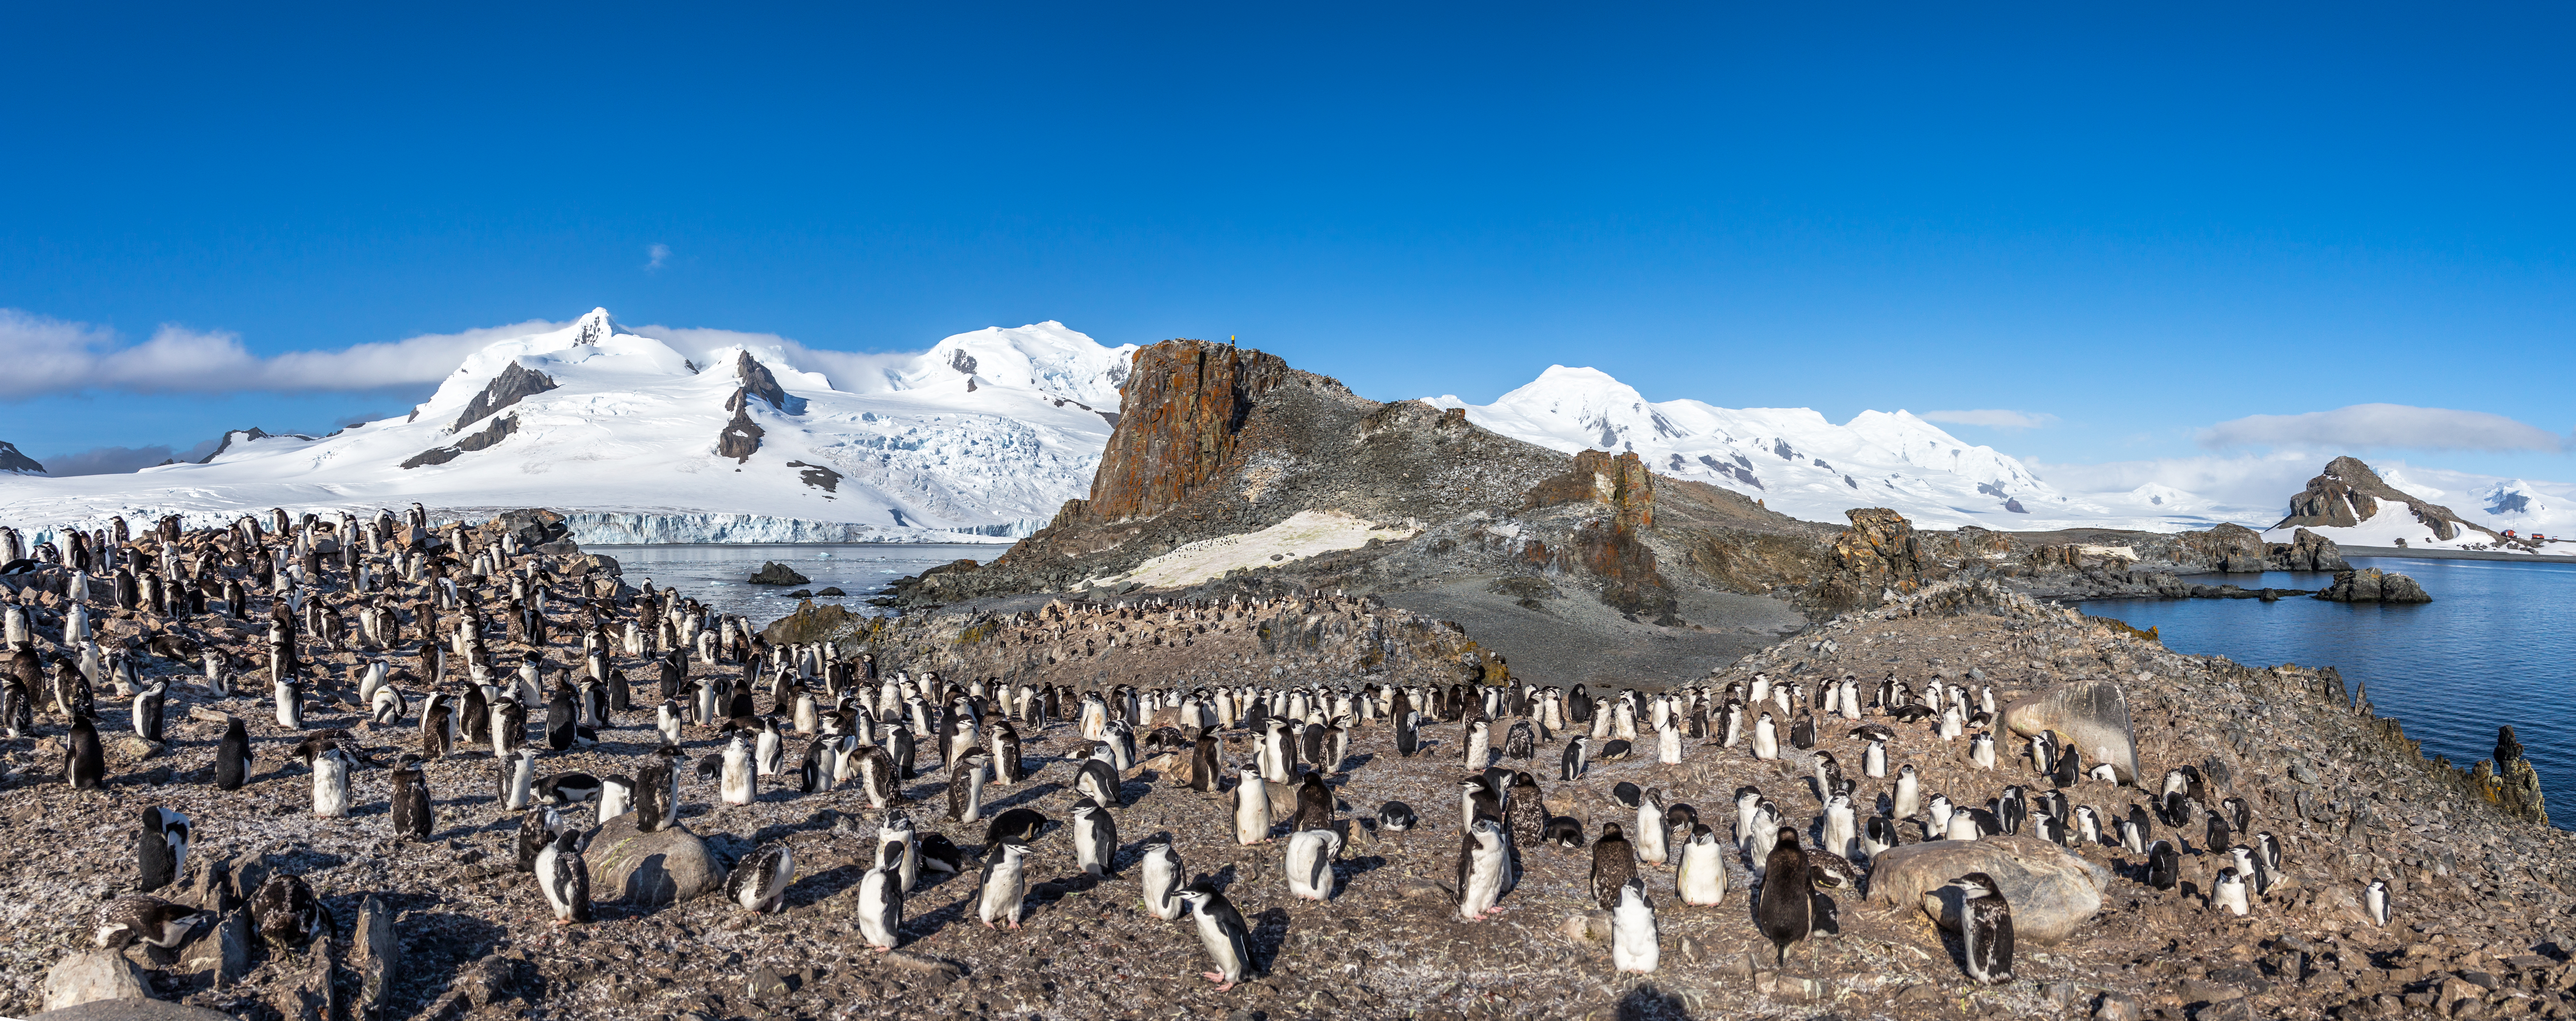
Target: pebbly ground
2482	899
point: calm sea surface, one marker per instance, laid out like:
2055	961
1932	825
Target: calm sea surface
2496	647
714	573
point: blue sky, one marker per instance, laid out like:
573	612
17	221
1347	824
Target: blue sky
2139	222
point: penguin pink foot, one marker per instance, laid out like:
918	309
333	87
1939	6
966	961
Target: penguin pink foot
1218	977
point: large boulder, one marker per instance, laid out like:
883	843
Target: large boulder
2308	551
649	869
87	976
2094	715
810	624
2050	891
775	573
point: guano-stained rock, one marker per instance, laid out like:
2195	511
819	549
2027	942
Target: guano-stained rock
2093	714
649	869
2050	892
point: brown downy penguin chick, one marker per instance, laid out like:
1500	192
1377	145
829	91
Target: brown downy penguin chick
411	811
1314	804
1785	912
1528	811
1614	862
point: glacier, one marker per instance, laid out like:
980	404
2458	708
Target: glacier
981	438
1799	463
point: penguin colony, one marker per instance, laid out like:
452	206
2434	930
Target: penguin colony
456	643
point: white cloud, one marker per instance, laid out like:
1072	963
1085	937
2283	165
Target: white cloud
51	356
659	252
2252	481
107	460
1993	418
2380	426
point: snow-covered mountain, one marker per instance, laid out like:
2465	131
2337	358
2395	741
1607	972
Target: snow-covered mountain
984	435
1802	465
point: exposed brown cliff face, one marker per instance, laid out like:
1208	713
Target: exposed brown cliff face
1611	546
1184	408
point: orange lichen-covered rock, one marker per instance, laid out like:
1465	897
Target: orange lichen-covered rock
1184	404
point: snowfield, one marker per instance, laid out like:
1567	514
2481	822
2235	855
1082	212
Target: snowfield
983	437
1800	464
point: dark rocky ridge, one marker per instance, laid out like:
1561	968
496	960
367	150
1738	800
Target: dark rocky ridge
484	438
757	381
13	461
515	383
244	436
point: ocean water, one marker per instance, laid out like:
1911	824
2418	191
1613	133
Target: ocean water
715	573
2496	647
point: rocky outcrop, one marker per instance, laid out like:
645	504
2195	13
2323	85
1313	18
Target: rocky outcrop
2330	501
2515	784
2307	551
757	381
775	573
500	429
812	623
2348	493
1876	558
2372	585
1612	546
741	437
515	383
1182	412
530	527
14	463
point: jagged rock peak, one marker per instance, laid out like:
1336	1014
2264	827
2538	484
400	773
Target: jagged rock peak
516	382
758	382
13	462
1182	406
